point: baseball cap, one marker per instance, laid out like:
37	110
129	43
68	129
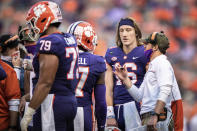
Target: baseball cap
8	41
159	39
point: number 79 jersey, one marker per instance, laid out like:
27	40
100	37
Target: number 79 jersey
64	46
135	61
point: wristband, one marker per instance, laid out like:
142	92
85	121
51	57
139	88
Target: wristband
110	111
110	117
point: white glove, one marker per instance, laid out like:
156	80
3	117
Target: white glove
27	118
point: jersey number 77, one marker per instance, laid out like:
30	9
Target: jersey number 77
84	71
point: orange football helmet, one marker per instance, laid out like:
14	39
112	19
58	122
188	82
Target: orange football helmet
41	15
84	33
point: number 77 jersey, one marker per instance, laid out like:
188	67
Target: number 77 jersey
64	46
90	68
135	61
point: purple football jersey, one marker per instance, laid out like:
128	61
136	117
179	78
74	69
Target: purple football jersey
135	61
90	68
64	46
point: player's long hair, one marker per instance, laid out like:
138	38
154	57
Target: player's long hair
137	32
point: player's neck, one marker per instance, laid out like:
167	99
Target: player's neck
128	48
51	30
155	54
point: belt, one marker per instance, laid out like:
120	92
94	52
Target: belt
161	117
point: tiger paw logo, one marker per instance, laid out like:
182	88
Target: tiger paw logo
39	10
88	31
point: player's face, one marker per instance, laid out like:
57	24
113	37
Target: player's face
127	35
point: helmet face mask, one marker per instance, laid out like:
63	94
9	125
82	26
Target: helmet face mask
41	15
24	33
33	31
85	35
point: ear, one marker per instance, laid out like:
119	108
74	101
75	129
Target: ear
155	48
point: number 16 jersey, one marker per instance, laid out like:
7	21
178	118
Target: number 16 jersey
135	61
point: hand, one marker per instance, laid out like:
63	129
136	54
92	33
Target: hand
16	61
27	118
151	124
22	105
122	74
111	122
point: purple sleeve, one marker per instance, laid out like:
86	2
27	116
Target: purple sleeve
108	56
100	106
2	73
51	45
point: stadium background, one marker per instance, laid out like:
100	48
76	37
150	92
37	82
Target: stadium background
177	18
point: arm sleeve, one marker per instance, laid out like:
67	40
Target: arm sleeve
100	106
137	93
12	91
2	73
51	45
108	57
164	93
100	65
165	77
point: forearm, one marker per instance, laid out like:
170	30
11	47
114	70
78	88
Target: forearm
40	93
109	88
100	105
27	97
101	111
164	93
13	116
109	98
159	106
133	90
27	82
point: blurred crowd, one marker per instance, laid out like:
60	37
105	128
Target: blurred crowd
177	18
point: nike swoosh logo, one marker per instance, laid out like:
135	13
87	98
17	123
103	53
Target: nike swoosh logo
135	58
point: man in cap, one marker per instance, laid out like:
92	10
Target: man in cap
9	87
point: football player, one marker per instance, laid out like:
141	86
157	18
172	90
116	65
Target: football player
122	110
55	64
91	78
